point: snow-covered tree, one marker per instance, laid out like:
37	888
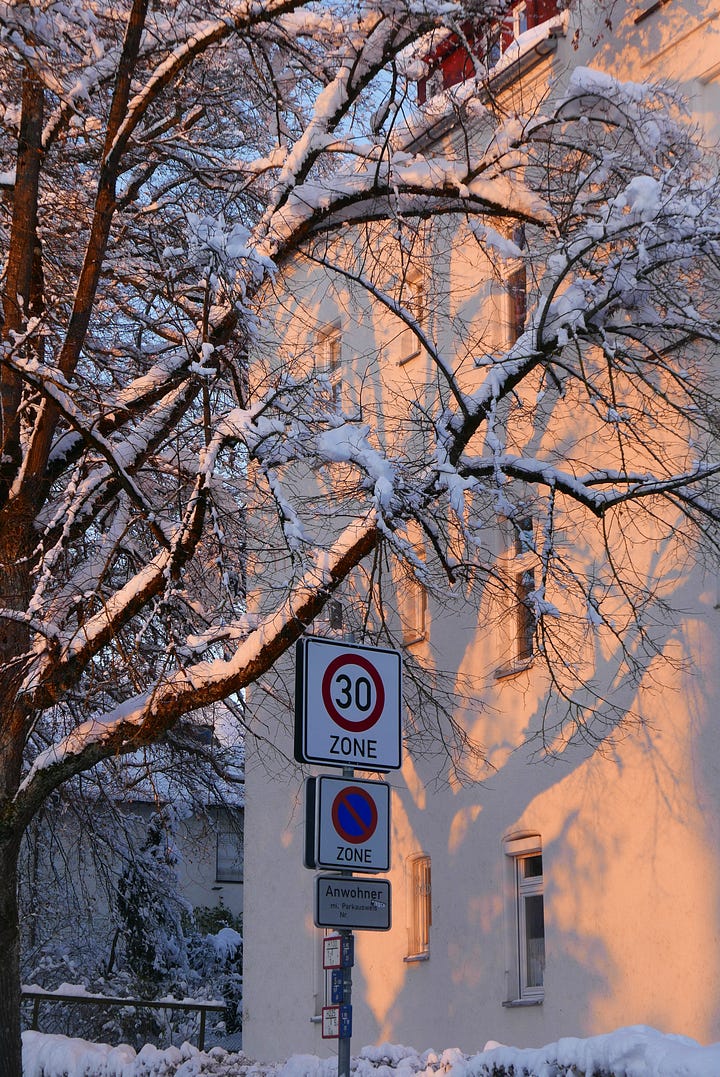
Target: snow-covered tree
165	167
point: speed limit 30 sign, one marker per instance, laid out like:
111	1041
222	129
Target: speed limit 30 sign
347	705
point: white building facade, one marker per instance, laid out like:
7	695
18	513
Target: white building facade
570	886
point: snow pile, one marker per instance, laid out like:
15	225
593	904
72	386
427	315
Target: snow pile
630	1052
226	942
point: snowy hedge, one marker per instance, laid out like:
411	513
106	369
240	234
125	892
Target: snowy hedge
629	1052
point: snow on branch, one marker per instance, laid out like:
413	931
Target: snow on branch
142	719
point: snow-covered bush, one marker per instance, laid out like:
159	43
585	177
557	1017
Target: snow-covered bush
629	1052
149	944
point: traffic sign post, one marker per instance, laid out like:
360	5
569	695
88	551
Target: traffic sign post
347	705
347	714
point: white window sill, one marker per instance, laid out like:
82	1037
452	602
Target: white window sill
412	958
521	1003
511	669
649	10
408	358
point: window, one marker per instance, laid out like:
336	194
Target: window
520	19
335	615
419	887
528	920
524	616
520	620
452	59
517	290
331	622
229	850
329	348
411	593
412	298
413	601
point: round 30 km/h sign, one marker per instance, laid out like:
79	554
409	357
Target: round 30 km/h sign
347	705
353	693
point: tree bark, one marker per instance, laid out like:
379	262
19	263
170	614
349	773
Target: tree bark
20	262
10	1040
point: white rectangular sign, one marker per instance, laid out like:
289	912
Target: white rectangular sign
347	705
353	824
352	903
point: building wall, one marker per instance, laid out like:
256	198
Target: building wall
628	826
203	879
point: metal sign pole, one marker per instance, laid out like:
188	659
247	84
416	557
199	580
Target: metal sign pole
347	714
344	1041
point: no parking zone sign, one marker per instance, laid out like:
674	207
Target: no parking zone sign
347	705
347	824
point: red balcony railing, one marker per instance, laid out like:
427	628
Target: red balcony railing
452	60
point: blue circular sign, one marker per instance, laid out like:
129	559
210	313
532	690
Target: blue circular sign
354	815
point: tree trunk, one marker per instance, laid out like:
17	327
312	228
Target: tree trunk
10	1042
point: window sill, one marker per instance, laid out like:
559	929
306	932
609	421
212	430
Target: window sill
412	959
408	358
521	1003
649	10
511	669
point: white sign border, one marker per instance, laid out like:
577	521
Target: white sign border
306	749
383	792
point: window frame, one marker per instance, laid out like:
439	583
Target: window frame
519	851
525	619
413	299
519	620
329	360
413	612
520	19
418	869
516	286
224	828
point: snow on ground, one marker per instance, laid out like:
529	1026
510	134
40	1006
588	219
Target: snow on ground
630	1052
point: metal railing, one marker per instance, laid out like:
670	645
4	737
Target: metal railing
201	1006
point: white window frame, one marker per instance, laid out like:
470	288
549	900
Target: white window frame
418	876
413	611
413	299
519	17
328	362
518	851
516	289
229	851
517	572
515	22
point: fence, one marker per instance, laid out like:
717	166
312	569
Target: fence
39	997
